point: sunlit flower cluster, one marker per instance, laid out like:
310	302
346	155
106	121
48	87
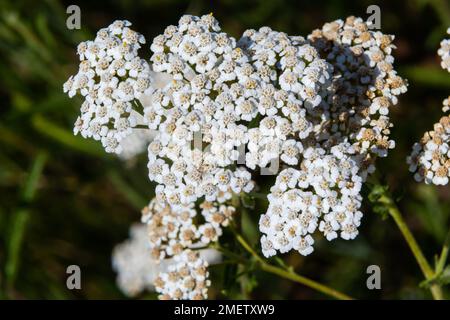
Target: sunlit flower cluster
444	53
324	195
365	86
430	157
111	77
293	81
185	279
136	269
171	231
195	152
312	111
135	143
348	130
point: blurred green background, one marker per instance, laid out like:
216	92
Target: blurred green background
64	201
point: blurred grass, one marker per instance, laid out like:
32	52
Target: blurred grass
66	137
17	227
64	201
430	76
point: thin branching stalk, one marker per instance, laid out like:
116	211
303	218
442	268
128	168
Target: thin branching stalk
427	271
440	265
291	275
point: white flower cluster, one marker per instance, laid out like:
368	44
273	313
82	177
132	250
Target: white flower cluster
136	270
365	85
171	231
348	130
222	108
444	53
111	77
293	81
194	154
135	143
185	279
135	267
430	157
324	196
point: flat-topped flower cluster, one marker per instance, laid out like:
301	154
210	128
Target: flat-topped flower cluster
444	53
110	78
137	271
349	129
312	111
430	157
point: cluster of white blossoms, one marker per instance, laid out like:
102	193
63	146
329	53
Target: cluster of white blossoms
136	269
111	78
313	111
135	143
170	231
364	87
430	157
342	137
292	82
185	279
195	152
325	196
444	53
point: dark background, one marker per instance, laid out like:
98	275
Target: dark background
64	201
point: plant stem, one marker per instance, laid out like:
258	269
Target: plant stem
291	275
427	271
444	254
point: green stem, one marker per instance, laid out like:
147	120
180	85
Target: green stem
291	275
229	253
427	271
444	255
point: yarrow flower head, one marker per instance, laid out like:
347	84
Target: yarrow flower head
186	279
293	81
324	195
111	78
137	270
365	85
342	137
135	143
444	53
430	157
171	231
135	267
194	154
312	111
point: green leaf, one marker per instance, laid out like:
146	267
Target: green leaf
376	192
17	231
381	210
441	279
444	277
248	201
251	283
31	185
